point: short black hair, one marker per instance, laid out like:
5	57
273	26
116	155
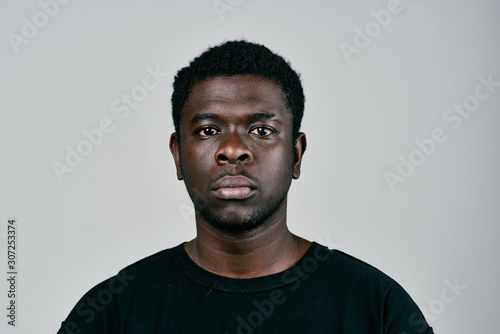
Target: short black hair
240	57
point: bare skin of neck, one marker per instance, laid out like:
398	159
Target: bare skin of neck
269	249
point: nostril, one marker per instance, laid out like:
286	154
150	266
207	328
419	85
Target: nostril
243	157
222	157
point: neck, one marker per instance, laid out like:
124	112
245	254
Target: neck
269	249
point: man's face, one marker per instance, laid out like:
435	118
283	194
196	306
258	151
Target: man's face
237	155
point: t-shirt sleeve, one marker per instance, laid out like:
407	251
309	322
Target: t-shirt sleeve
402	315
95	312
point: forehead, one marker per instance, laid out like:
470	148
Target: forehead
242	91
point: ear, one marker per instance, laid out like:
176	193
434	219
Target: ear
174	148
299	149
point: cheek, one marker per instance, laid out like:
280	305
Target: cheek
278	166
195	162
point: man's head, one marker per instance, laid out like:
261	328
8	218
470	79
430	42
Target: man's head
239	58
241	146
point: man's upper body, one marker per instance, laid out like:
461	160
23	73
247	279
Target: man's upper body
237	111
324	292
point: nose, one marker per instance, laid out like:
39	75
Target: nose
233	150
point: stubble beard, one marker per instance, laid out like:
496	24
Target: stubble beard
234	225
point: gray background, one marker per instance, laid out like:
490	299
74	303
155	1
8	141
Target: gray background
123	201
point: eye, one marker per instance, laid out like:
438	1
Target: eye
261	131
208	132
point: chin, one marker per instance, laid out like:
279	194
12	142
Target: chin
237	220
234	223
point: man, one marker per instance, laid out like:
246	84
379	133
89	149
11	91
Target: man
237	111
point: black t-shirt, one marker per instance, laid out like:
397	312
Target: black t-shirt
327	291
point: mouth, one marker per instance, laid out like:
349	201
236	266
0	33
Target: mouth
234	188
234	193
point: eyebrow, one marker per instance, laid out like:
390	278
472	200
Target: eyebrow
200	117
266	116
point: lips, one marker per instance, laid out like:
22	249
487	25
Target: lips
234	187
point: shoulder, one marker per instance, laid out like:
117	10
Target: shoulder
349	272
155	267
346	264
368	287
157	260
349	263
101	305
152	269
